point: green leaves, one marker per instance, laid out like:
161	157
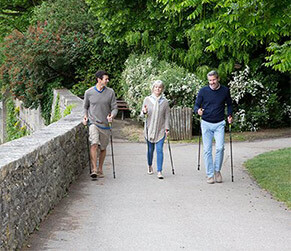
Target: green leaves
15	14
237	28
50	51
280	59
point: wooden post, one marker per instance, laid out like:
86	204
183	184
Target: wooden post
181	123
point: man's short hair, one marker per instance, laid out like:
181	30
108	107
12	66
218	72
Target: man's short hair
100	74
212	73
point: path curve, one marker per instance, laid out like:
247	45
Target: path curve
139	212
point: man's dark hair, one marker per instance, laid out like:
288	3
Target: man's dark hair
100	74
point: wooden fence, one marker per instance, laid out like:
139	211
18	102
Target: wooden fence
181	123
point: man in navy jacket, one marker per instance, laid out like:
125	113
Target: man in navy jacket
210	104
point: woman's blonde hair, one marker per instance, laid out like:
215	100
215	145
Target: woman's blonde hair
159	83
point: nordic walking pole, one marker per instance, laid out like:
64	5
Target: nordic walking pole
88	145
231	163
199	143
110	126
147	130
173	171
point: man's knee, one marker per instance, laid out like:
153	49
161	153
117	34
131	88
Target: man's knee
94	146
219	149
207	151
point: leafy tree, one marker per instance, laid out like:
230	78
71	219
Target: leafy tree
236	32
280	59
51	51
142	26
200	34
15	14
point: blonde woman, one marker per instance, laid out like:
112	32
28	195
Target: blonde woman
157	111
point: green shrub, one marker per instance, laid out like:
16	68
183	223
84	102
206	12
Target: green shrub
181	86
104	56
257	105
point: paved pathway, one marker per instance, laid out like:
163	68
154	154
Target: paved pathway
139	212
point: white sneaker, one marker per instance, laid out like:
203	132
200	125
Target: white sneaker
160	175
150	170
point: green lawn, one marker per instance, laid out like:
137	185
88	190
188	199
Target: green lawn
272	171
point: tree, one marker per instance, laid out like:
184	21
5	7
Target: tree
236	32
142	26
48	53
15	14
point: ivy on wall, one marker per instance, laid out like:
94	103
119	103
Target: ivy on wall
68	109
57	111
13	127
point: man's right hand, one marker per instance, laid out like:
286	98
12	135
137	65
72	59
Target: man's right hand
200	111
85	120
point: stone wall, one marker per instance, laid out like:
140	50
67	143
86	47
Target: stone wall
35	173
1	123
31	118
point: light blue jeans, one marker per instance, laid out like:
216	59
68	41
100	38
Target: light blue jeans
160	153
210	130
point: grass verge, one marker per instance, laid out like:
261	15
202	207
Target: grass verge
272	172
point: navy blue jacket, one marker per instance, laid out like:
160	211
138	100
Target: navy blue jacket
213	102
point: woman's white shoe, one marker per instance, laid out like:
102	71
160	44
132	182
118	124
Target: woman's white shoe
150	170
160	175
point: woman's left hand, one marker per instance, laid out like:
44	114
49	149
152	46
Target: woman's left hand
167	132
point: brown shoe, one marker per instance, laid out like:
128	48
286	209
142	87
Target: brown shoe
100	174
218	177
93	175
210	180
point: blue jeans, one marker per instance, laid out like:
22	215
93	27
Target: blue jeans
160	153
210	130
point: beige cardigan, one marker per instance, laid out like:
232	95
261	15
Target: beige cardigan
163	119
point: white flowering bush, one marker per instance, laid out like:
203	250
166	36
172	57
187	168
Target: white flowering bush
181	86
256	104
241	85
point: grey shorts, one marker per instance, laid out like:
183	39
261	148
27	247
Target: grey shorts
98	136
